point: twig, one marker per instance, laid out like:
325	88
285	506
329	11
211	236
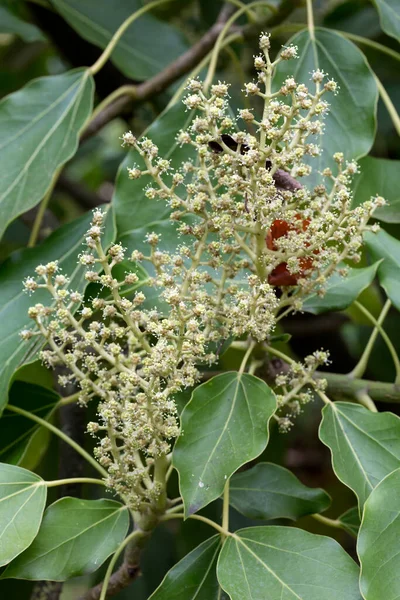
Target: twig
155	85
343	385
181	66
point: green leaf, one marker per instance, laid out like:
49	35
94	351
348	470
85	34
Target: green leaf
63	245
135	214
365	446
341	291
75	538
11	23
16	431
22	502
378	541
40	127
146	47
194	577
383	245
389	14
379	176
350	521
350	124
224	425
268	491
286	563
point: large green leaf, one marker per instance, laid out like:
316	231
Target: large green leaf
146	47
365	446
16	432
350	521
135	214
224	425
11	23
341	291
64	245
22	502
389	13
75	538
350	124
286	563
40	126
194	577
383	245
268	491
378	541
379	176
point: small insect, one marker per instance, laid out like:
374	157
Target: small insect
283	180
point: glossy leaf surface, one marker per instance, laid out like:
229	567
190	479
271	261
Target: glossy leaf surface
75	538
286	563
40	126
22	502
268	491
224	425
365	446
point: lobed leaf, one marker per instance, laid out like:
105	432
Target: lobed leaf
378	541
40	126
286	563
268	491
224	425
365	446
75	538
22	501
146	47
194	577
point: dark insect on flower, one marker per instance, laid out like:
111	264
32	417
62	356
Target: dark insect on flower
283	180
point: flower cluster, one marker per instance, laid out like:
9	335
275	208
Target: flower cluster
253	242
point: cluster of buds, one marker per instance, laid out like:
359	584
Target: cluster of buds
295	385
253	242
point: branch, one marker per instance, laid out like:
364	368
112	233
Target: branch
182	65
344	385
125	574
